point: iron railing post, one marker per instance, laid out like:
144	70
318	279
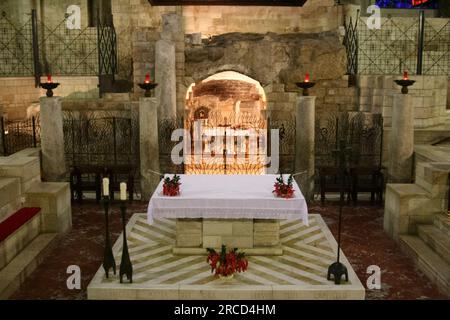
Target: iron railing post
115	141
33	122
3	136
420	42
35	38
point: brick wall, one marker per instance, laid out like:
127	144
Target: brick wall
429	98
17	94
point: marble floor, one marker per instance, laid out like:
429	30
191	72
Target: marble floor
300	273
363	242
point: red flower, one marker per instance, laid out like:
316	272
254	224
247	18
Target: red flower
226	263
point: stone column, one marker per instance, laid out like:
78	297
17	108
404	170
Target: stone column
304	145
52	140
1	133
165	73
401	140
149	147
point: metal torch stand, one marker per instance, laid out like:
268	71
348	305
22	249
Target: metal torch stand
337	269
126	268
108	259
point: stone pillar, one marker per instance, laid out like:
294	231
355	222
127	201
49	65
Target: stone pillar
1	133
52	140
149	147
401	140
173	30
165	74
304	145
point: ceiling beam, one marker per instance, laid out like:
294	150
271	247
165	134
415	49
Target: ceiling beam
281	3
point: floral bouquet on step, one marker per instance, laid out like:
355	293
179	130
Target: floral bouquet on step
284	189
226	264
171	187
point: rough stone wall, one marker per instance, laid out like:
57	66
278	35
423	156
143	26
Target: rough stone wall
277	61
225	89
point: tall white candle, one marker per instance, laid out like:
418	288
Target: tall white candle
106	187
123	191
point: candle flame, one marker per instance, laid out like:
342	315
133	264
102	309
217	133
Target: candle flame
49	78
307	77
405	75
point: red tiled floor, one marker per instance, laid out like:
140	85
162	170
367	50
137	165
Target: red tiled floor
363	242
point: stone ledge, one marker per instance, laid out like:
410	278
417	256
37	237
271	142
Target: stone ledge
15	273
54	200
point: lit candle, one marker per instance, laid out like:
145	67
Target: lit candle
307	77
405	75
123	191
147	78
49	78
106	187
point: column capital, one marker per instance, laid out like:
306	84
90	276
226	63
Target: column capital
307	98
45	99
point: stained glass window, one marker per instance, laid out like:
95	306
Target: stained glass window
408	4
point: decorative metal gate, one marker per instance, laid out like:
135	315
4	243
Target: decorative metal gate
99	138
19	135
400	44
37	47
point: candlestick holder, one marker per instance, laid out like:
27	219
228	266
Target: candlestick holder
149	88
305	85
338	269
405	84
49	86
126	268
108	258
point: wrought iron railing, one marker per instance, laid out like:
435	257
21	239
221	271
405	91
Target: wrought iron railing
363	132
396	46
16	47
18	135
37	47
100	138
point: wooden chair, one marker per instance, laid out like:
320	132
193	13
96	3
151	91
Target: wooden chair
367	179
329	181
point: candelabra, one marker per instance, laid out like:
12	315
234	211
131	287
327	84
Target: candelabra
108	259
337	269
126	268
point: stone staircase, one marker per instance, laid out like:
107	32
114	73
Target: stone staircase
416	217
430	250
25	249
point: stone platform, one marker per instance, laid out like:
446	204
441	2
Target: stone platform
300	273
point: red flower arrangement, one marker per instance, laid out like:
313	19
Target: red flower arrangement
171	187
282	189
226	264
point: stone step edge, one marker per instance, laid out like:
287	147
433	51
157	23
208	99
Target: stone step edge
427	261
15	273
442	222
436	240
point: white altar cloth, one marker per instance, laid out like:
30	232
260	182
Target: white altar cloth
227	197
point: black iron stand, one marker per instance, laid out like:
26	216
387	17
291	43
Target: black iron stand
108	259
337	269
126	268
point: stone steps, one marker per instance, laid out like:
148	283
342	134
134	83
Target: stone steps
15	273
442	222
436	240
426	260
9	196
17	241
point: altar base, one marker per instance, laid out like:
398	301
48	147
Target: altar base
300	273
254	236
